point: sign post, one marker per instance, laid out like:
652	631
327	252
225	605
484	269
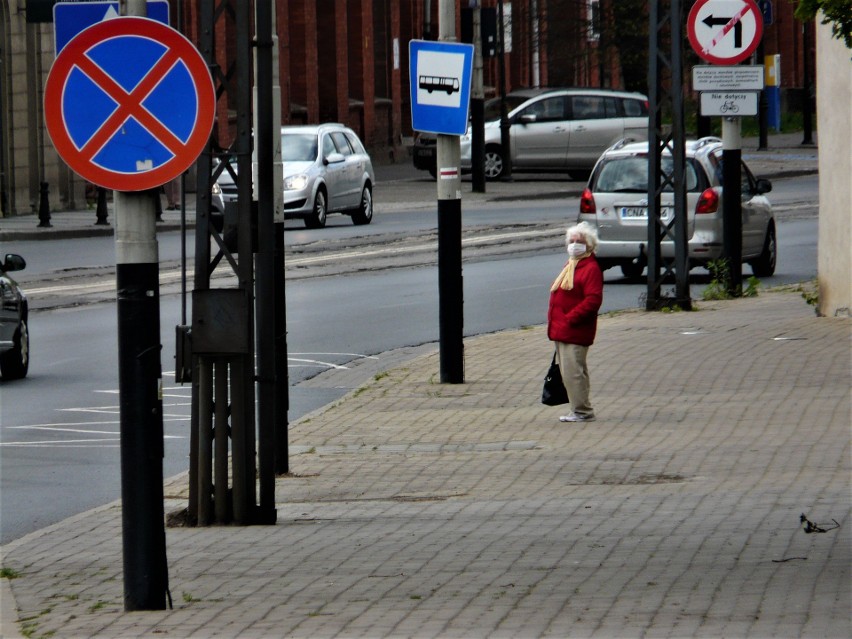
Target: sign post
726	32
129	105
440	75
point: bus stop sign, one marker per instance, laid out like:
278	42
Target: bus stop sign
440	74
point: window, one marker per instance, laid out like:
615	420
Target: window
634	108
298	148
630	175
588	107
341	143
546	110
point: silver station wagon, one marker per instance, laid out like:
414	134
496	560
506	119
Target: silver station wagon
616	203
326	170
559	130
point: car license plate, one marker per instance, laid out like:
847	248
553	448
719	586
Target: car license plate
641	213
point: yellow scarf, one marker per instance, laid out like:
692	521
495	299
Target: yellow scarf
565	279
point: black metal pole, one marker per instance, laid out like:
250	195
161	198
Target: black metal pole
763	105
450	291
140	389
477	109
101	210
732	221
282	375
265	271
807	108
505	135
44	206
141	426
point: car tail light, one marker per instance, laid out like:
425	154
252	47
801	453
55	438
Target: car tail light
708	202
587	202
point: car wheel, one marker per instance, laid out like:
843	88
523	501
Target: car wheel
633	269
317	218
15	363
764	265
493	162
364	213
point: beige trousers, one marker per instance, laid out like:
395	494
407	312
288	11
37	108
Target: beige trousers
575	376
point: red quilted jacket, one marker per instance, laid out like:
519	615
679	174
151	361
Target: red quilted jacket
573	315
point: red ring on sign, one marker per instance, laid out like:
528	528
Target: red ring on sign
697	46
178	48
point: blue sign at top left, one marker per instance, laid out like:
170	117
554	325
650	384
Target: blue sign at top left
70	18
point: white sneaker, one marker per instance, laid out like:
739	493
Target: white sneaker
574	417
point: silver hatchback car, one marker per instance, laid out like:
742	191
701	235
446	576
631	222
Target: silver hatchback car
326	170
559	129
616	203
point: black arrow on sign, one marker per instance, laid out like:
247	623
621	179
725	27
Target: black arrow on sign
710	21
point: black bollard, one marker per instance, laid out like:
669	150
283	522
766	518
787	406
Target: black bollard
101	211
44	207
158	205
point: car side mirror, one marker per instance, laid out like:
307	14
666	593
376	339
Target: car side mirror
763	186
527	118
14	262
333	158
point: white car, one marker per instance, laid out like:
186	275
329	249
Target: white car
326	170
616	203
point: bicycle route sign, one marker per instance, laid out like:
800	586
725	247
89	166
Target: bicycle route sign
129	103
725	31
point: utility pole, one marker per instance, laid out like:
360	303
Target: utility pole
265	259
140	393
450	288
477	107
732	221
505	136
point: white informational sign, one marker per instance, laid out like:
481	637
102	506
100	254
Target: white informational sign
727	78
729	103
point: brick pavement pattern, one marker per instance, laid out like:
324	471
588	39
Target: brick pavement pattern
418	509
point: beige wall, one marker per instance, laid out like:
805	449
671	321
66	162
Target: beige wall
28	155
834	125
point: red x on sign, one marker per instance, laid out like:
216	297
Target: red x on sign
129	104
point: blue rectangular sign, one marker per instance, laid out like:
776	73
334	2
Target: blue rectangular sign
70	18
439	76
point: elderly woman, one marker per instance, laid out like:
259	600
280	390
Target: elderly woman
572	317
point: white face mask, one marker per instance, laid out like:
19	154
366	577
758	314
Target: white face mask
576	249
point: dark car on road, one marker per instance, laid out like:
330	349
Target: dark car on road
14	334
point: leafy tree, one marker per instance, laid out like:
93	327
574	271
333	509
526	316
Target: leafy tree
837	13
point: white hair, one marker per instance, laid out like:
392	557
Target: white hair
589	233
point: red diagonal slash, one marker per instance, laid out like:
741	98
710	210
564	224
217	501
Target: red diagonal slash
731	24
130	104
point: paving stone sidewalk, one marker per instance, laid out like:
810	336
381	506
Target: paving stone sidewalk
418	509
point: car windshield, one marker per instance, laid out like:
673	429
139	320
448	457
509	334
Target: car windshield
630	175
298	147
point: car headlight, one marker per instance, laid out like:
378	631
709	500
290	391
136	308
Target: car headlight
216	189
295	182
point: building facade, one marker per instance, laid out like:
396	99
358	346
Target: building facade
347	61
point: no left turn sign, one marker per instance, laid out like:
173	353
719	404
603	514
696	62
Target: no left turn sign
725	31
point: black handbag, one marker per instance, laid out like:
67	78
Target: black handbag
554	393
